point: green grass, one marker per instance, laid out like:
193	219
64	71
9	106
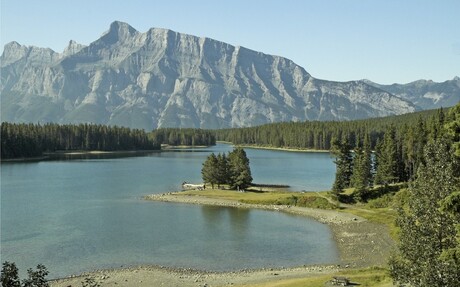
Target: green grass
382	209
309	199
368	277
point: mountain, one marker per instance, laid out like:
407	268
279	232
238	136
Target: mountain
425	94
162	78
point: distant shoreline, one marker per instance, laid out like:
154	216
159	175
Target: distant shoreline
168	147
98	152
50	155
284	148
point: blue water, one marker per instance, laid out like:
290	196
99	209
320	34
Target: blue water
82	214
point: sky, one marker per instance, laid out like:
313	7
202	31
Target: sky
386	41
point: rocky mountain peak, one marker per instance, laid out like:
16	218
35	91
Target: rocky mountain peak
118	32
72	48
12	52
162	78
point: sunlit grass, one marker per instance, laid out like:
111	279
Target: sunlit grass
273	197
369	277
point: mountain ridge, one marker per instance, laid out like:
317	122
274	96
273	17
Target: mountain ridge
426	94
162	78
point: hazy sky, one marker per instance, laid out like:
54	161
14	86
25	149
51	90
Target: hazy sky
386	41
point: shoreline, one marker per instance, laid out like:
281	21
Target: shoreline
283	149
157	275
51	155
360	243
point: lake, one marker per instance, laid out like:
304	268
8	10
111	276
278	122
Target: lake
83	214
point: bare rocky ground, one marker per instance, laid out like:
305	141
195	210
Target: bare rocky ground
361	244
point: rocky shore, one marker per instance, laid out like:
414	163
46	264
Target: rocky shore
147	276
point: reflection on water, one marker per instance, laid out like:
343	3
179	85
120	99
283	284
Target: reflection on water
78	215
238	219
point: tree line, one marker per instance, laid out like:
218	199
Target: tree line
32	140
186	137
320	135
394	158
230	169
428	252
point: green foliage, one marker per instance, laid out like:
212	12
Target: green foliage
294	200
36	278
427	233
381	202
361	179
344	165
319	135
223	169
185	137
314	202
388	159
10	276
29	140
210	170
453	128
239	170
233	169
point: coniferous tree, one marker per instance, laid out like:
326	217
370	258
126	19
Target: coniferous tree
362	175
209	171
36	278
10	275
344	165
453	128
240	172
223	176
388	159
427	231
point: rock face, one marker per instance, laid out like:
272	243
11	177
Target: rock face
426	94
161	78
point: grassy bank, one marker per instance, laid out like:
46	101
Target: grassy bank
369	277
272	197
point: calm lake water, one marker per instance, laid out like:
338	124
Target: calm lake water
83	214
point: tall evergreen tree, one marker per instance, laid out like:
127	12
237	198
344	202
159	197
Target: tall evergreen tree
344	165
362	164
209	171
453	128
388	159
223	174
10	275
240	172
427	231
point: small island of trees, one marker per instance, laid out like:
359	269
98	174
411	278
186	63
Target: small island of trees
232	170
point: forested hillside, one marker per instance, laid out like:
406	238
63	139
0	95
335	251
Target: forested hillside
319	135
31	140
184	137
